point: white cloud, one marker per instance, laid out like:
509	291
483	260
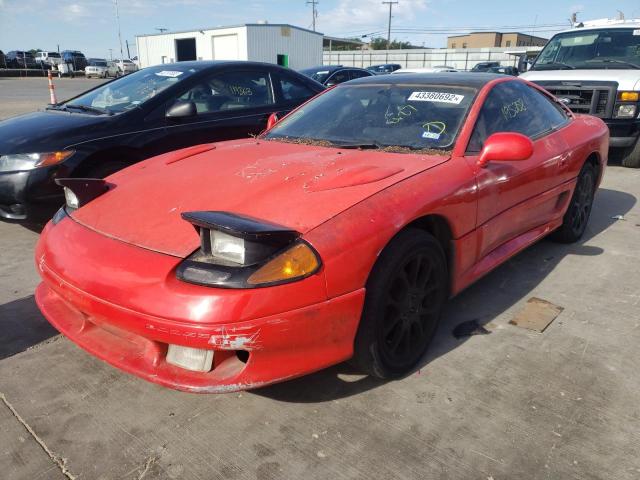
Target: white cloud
75	11
361	15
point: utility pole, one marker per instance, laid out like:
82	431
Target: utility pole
574	19
119	35
391	4
314	11
111	54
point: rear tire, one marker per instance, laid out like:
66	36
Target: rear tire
405	295
631	158
576	218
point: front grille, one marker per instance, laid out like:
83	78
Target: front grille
593	97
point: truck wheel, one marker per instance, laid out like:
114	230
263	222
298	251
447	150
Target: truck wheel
631	158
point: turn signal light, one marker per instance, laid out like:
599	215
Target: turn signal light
297	262
629	96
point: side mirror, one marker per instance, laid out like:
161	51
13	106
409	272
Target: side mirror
182	109
273	119
505	147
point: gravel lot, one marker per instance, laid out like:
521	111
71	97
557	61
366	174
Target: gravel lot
512	404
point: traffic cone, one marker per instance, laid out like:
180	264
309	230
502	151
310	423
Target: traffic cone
52	92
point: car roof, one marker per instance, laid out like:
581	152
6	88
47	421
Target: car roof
204	64
455	79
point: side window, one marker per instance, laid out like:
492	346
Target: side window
339	77
293	89
358	74
515	107
231	91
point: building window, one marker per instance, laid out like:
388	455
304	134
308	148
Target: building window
508	43
453	45
464	45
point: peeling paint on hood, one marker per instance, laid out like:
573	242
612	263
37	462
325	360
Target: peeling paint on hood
298	186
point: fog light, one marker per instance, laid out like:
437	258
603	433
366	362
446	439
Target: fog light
195	359
71	199
626	111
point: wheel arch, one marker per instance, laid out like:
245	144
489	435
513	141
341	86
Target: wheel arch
439	227
118	154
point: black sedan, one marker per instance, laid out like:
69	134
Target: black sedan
146	113
330	75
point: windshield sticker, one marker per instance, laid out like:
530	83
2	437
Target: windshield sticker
636	32
402	111
433	130
169	73
513	109
441	97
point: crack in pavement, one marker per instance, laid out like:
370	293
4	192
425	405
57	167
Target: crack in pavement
59	461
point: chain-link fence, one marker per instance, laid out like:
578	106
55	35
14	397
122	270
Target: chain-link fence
460	59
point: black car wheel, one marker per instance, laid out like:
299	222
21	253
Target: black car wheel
576	218
405	295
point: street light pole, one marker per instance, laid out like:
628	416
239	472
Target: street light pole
119	35
391	4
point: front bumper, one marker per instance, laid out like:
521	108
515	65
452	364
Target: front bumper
30	196
134	335
623	133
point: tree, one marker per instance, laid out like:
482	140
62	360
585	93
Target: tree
379	43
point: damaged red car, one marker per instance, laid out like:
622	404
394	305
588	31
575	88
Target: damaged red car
338	234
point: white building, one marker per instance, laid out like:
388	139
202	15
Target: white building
281	44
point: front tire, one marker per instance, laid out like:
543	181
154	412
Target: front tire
631	158
576	218
406	292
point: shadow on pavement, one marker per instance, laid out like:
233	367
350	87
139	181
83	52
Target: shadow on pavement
22	326
505	286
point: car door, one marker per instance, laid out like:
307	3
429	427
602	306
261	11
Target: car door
234	103
292	90
339	76
515	197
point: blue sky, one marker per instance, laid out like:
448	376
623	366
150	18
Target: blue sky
89	25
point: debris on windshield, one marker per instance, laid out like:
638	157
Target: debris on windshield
382	148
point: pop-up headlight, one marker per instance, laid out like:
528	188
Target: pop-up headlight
242	252
80	191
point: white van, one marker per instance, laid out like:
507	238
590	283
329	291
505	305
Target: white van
48	58
595	69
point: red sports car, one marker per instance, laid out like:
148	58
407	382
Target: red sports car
338	234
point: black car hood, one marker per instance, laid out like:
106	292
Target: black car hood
48	130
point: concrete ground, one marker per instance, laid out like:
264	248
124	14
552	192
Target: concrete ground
512	404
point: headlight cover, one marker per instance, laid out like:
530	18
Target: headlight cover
240	252
20	162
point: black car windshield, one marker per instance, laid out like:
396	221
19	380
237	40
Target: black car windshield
132	90
582	49
394	116
319	75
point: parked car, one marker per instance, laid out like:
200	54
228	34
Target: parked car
100	68
48	59
484	66
3	60
436	69
20	59
513	71
126	66
339	233
74	58
334	74
384	68
148	112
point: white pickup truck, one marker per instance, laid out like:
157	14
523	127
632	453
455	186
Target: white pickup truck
595	69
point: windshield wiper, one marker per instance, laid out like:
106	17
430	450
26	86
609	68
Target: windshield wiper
552	64
363	146
85	108
609	60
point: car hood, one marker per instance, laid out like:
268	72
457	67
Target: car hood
297	186
44	131
626	79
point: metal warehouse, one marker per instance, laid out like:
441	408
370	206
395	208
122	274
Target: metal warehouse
281	44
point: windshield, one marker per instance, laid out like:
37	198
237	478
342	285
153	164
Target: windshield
53	55
415	117
607	48
128	92
97	63
318	75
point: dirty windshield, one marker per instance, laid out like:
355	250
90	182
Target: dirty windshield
130	91
414	117
606	48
